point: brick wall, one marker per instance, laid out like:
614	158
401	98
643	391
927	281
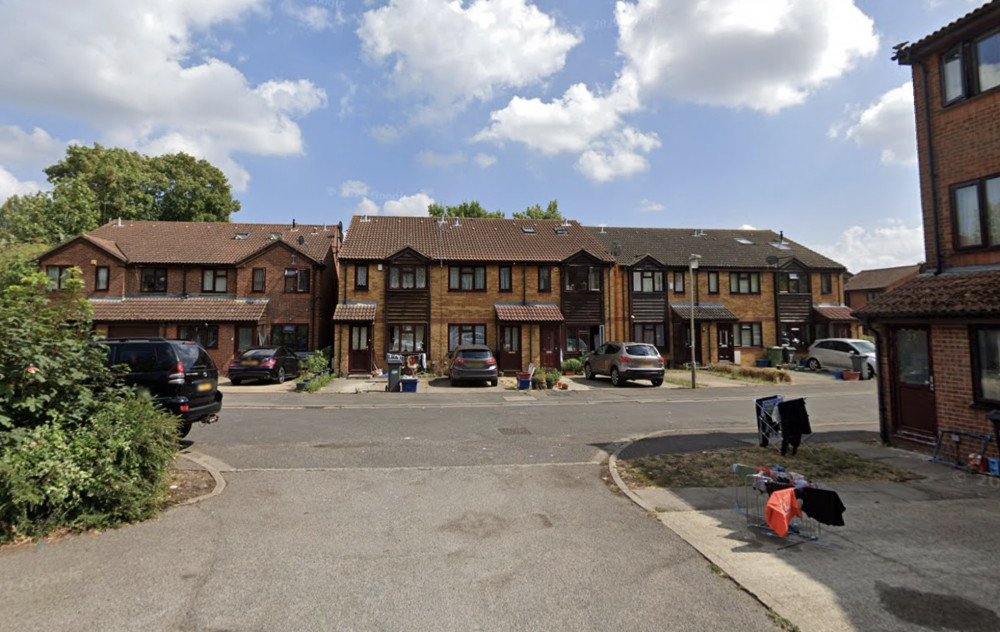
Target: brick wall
88	258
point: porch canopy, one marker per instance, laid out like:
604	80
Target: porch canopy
355	313
961	295
706	312
210	310
834	313
528	312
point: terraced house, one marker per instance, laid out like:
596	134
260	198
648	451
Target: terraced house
751	289
227	286
939	334
536	291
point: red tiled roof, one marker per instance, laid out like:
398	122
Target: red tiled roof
207	242
530	313
907	53
354	312
178	309
704	312
881	278
949	295
834	312
378	237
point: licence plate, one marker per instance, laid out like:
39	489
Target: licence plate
474	365
648	363
205	386
249	363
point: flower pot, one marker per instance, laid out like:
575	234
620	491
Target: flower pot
852	375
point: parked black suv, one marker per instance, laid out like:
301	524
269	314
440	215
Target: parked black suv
179	374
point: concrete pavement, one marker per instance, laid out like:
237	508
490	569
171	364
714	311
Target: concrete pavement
913	556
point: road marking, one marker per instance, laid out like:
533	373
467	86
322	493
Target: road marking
412	468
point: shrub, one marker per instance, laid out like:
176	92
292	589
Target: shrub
764	374
319	361
572	365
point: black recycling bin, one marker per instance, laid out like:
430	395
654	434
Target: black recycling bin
395	364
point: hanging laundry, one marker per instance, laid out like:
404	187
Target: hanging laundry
822	505
794	424
781	508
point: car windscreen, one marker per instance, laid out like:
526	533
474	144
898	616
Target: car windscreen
143	357
258	353
475	354
193	357
864	346
641	350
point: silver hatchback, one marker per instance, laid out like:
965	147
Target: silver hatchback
625	361
837	353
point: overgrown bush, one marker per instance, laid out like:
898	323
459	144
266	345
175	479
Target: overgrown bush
77	449
572	365
764	374
319	361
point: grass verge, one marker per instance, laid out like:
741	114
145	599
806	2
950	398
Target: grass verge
712	468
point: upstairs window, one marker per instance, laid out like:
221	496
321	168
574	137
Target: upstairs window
259	279
582	279
407	277
544	279
467	278
361	276
647	281
214	281
744	282
505	279
826	282
679	282
977	213
297	280
58	275
713	282
153	280
793	283
971	68
101	276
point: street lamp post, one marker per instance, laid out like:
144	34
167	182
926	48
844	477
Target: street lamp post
692	266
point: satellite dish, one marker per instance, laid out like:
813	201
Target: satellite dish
301	240
772	260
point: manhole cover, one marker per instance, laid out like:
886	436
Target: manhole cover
514	431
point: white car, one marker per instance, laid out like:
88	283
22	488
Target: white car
837	353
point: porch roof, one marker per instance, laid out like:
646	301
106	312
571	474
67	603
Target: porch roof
947	295
360	312
528	313
213	310
834	313
704	312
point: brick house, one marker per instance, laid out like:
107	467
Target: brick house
868	285
228	286
535	291
753	289
939	334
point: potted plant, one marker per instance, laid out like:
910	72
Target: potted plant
572	366
550	379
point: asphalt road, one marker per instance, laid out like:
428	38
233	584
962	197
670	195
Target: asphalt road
474	510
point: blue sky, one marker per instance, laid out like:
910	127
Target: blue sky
780	114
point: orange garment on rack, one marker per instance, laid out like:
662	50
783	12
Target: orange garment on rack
781	508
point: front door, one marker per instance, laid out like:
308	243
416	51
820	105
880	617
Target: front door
725	342
359	357
911	371
510	348
549	345
244	338
682	350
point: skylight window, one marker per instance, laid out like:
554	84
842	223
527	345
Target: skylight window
744	241
559	230
241	236
781	245
528	229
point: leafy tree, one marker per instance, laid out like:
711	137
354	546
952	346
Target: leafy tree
536	212
92	185
18	261
465	209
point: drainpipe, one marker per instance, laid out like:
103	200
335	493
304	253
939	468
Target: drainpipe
931	168
883	416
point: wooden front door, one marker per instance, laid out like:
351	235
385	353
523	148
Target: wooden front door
549	345
913	380
359	357
510	348
682	340
725	338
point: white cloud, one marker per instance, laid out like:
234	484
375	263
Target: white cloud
484	160
35	149
892	243
748	227
132	71
435	160
412	205
620	155
10	185
454	52
353	188
313	16
649	206
766	55
888	123
385	134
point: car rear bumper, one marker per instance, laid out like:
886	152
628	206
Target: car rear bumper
251	374
474	374
642	374
193	413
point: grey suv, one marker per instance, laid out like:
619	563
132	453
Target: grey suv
178	374
625	361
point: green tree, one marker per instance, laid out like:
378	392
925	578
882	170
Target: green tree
536	212
465	209
17	261
92	185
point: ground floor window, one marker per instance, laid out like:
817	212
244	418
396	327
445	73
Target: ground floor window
294	337
205	335
408	338
986	364
466	335
577	339
651	333
748	335
796	335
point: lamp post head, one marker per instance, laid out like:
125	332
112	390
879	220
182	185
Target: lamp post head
693	261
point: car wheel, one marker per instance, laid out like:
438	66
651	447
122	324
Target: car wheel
453	381
616	378
657	381
281	376
183	429
494	382
588	372
236	381
813	364
871	370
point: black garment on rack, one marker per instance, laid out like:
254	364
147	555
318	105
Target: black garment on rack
794	424
774	486
822	505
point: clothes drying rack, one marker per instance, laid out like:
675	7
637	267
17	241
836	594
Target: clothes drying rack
751	500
